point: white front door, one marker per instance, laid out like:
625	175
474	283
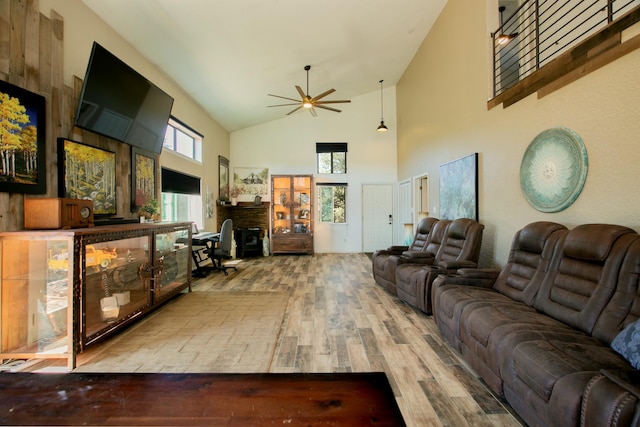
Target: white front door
377	216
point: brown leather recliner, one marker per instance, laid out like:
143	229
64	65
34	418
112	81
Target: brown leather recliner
384	261
460	249
413	261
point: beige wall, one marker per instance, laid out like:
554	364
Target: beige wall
442	115
288	146
81	28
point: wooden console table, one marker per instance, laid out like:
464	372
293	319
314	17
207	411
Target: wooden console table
336	399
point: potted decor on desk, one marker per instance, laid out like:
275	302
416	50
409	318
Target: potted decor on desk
149	210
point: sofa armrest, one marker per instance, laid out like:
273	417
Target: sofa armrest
455	265
612	399
397	249
482	277
391	250
417	257
479	273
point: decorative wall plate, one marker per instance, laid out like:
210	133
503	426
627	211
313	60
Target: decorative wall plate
553	170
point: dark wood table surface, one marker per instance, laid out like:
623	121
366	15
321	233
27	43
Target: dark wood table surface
333	399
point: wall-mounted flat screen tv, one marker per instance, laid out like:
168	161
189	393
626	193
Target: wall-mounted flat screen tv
119	103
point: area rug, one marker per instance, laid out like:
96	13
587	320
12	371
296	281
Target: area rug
233	332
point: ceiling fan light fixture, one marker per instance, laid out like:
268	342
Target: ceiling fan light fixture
310	103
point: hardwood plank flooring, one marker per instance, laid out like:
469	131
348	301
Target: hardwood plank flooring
339	320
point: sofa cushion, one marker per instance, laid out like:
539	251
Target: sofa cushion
541	363
580	282
627	343
593	242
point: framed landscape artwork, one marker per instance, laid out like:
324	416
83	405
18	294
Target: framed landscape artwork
86	172
459	188
22	132
143	177
251	181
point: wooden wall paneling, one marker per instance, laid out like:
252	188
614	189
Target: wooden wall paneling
32	47
5	35
16	44
31	56
44	62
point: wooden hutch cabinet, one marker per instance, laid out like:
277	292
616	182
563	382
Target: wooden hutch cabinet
292	214
62	290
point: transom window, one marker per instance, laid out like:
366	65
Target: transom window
332	157
182	139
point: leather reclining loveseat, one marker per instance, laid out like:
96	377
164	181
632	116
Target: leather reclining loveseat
540	331
385	261
439	246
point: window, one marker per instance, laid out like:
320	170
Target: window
332	157
184	140
332	202
182	208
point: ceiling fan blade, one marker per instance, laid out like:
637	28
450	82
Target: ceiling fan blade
313	112
284	97
334	102
301	92
323	94
328	108
284	105
294	110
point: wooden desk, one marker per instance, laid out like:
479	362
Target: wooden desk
199	242
336	399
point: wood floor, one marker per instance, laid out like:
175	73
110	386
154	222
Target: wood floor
339	320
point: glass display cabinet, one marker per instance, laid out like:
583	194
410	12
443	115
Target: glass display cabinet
292	214
62	290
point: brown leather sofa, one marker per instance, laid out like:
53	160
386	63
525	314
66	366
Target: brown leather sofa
456	245
385	261
539	331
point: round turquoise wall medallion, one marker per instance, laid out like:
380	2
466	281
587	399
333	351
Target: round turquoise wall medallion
553	170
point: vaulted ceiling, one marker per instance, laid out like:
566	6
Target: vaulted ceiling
229	55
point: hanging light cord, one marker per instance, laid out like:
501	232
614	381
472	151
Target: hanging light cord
381	102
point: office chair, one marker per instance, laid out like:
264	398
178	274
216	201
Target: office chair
223	250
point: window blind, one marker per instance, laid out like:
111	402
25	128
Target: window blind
179	183
331	147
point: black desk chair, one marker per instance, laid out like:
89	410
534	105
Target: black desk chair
222	250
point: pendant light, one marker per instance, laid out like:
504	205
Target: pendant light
382	127
503	38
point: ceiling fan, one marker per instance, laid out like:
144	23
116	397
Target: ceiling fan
306	101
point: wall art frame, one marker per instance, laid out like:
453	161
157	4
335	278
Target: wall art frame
223	178
23	164
144	180
250	181
87	172
459	188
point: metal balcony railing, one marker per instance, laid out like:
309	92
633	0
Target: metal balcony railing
541	30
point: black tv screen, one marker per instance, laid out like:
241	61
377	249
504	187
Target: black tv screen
119	103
